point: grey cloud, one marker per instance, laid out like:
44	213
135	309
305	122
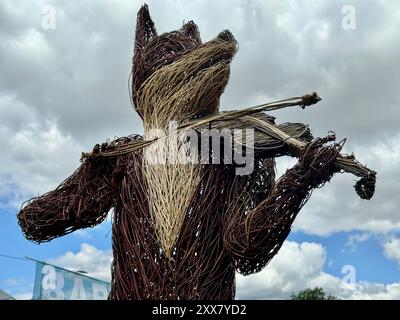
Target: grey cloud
74	80
355	71
337	208
63	90
81	78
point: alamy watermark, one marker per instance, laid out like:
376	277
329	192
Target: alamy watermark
205	146
350	274
349	17
49	17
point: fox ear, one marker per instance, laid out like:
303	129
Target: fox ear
145	30
191	30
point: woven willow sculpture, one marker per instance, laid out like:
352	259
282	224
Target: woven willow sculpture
180	231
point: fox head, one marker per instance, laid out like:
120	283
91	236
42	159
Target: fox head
174	75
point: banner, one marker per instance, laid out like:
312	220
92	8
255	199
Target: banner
54	283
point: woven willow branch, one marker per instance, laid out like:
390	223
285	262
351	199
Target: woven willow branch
347	163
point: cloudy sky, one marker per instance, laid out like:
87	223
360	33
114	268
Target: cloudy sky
63	89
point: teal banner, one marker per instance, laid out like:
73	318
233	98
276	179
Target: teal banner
54	283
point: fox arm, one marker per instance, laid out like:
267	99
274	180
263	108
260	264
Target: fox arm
82	200
254	238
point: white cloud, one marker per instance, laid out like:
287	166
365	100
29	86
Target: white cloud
19	288
298	266
355	239
31	41
288	272
97	263
84	234
391	249
12	282
23	296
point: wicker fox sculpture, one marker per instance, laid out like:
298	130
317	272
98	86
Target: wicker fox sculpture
181	231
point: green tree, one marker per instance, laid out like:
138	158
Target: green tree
312	294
